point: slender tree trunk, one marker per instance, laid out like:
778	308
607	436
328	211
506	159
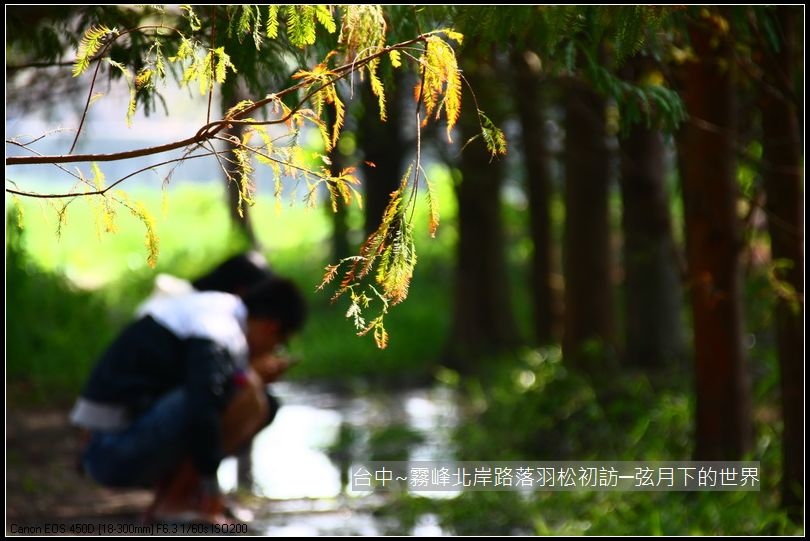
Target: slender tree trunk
384	152
589	311
340	226
782	175
244	469
482	318
339	214
243	225
713	240
537	159
653	296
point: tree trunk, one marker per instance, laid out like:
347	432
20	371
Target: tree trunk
589	313
782	175
244	469
339	215
242	225
723	423
652	285
537	159
482	317
384	152
340	225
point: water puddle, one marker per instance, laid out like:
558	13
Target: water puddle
300	462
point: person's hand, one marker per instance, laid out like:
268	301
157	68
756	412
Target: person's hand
270	367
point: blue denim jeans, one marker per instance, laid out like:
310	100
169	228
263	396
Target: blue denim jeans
146	451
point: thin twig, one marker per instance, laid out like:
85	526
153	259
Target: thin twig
97	58
89	98
13	141
211	84
108	188
228	176
187	152
418	164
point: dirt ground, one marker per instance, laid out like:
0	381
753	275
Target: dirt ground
46	494
43	485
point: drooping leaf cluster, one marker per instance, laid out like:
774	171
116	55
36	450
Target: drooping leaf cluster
391	249
440	88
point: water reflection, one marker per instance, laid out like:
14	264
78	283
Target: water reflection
289	459
297	461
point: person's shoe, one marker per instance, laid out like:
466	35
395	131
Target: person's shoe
237	513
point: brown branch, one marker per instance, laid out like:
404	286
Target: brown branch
57	165
211	129
418	164
203	134
115	156
213	36
89	97
108	188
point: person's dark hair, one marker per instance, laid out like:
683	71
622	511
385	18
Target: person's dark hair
236	274
280	299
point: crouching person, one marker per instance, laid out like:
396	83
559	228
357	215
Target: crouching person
182	387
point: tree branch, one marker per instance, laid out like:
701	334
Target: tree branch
111	186
115	156
89	97
210	129
213	36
